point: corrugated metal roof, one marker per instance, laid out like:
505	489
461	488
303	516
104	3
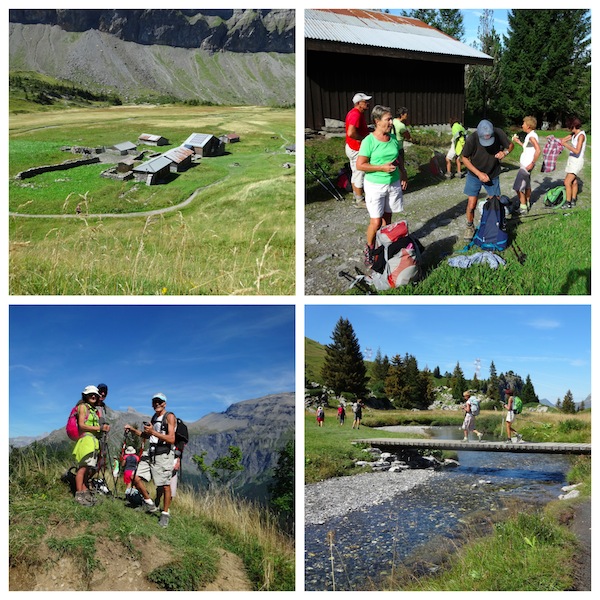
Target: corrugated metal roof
178	154
125	146
154	165
150	137
198	139
381	30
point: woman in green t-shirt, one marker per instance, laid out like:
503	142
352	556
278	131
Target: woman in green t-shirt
385	175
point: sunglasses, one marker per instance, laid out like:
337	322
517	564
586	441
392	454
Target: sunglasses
93	396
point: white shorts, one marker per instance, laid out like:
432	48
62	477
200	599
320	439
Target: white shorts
358	177
574	165
383	198
451	155
510	416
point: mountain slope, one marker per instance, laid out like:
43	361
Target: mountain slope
247	60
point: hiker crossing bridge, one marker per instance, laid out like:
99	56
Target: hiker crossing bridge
406	444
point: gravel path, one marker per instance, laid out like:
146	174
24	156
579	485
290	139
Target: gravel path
340	495
335	230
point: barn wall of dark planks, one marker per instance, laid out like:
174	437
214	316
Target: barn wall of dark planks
432	87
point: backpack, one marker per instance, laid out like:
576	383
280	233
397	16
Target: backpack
474	402
72	426
459	144
182	436
344	179
517	405
396	257
555	197
491	233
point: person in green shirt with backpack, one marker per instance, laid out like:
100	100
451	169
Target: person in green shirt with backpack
511	407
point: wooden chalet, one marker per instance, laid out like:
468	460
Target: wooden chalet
205	144
180	157
152	140
398	61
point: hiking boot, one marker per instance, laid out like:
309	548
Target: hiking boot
164	519
368	254
150	507
519	438
448	176
360	203
469	232
463	175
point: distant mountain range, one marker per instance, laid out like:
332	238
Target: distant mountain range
211	56
260	428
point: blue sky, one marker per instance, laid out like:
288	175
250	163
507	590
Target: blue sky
202	357
551	343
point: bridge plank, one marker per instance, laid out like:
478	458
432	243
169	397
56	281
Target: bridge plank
389	444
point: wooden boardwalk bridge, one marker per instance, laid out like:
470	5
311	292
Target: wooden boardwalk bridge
406	444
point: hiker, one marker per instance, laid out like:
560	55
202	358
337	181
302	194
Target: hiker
103	391
157	460
385	175
400	129
469	420
341	413
575	142
129	460
510	417
481	155
87	449
320	416
357	410
529	155
356	131
459	134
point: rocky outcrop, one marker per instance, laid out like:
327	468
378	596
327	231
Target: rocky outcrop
213	30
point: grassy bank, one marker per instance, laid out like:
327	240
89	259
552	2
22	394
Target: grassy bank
89	545
237	236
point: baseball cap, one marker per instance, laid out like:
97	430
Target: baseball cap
360	96
160	397
90	389
102	387
485	131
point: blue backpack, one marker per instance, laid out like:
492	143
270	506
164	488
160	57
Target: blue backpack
491	233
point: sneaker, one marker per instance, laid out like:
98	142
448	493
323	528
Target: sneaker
465	439
150	507
480	436
523	209
448	176
164	519
519	438
462	175
469	232
568	205
360	203
368	254
508	441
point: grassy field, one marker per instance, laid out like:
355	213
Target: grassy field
237	236
557	246
48	530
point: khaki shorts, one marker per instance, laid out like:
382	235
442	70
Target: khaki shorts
159	468
358	177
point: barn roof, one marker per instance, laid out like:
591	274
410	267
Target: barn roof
125	146
151	137
154	165
178	154
198	139
383	31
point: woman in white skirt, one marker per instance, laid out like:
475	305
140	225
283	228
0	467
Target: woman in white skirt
385	175
575	142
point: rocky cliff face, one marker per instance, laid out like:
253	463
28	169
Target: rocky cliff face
231	57
212	30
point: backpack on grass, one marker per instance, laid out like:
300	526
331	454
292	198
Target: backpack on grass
396	257
555	197
491	233
517	405
474	402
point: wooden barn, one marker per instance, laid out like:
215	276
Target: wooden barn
398	61
150	139
153	171
205	144
180	157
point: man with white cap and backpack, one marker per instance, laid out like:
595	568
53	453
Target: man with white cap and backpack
356	131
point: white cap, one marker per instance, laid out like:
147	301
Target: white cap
360	96
90	389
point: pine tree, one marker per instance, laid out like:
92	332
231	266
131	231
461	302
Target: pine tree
528	392
568	405
344	368
546	65
493	388
380	368
436	373
459	383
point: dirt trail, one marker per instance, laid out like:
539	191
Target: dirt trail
335	230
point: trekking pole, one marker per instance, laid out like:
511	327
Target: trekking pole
329	191
337	192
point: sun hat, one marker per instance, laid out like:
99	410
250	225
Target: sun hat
485	132
90	389
360	96
130	450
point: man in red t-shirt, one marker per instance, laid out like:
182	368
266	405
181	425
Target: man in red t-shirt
356	131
